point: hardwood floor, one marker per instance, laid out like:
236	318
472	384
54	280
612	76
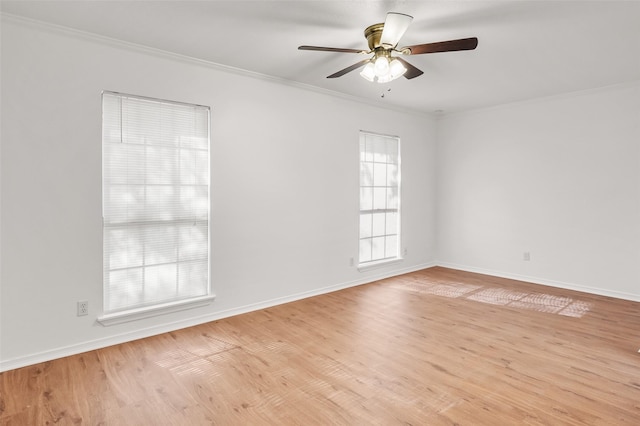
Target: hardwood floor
434	347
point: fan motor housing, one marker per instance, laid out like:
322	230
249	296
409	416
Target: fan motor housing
373	33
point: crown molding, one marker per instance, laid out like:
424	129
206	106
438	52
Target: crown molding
142	49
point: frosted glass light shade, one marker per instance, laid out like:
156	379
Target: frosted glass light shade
368	72
381	66
396	69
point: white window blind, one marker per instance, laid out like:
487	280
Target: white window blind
379	198
155	202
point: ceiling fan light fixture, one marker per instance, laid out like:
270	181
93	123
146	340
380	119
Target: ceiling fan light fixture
368	72
383	69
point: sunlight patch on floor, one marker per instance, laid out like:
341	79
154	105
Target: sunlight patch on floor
183	362
539	302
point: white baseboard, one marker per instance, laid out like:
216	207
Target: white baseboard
79	348
542	281
61	352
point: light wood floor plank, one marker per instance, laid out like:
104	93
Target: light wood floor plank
433	347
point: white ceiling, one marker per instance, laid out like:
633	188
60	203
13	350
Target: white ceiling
526	49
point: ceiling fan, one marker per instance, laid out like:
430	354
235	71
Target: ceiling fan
383	39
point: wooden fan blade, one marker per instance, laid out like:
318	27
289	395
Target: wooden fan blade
331	49
395	26
412	72
442	46
348	69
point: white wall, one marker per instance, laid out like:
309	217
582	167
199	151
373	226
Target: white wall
556	177
284	187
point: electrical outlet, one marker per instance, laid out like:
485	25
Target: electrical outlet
526	256
351	262
83	308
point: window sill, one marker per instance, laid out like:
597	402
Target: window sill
152	311
379	264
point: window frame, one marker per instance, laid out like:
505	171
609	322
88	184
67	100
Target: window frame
150	307
374	262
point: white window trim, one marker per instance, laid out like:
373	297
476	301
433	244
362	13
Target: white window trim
155	310
368	266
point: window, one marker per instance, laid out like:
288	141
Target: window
155	199
379	198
